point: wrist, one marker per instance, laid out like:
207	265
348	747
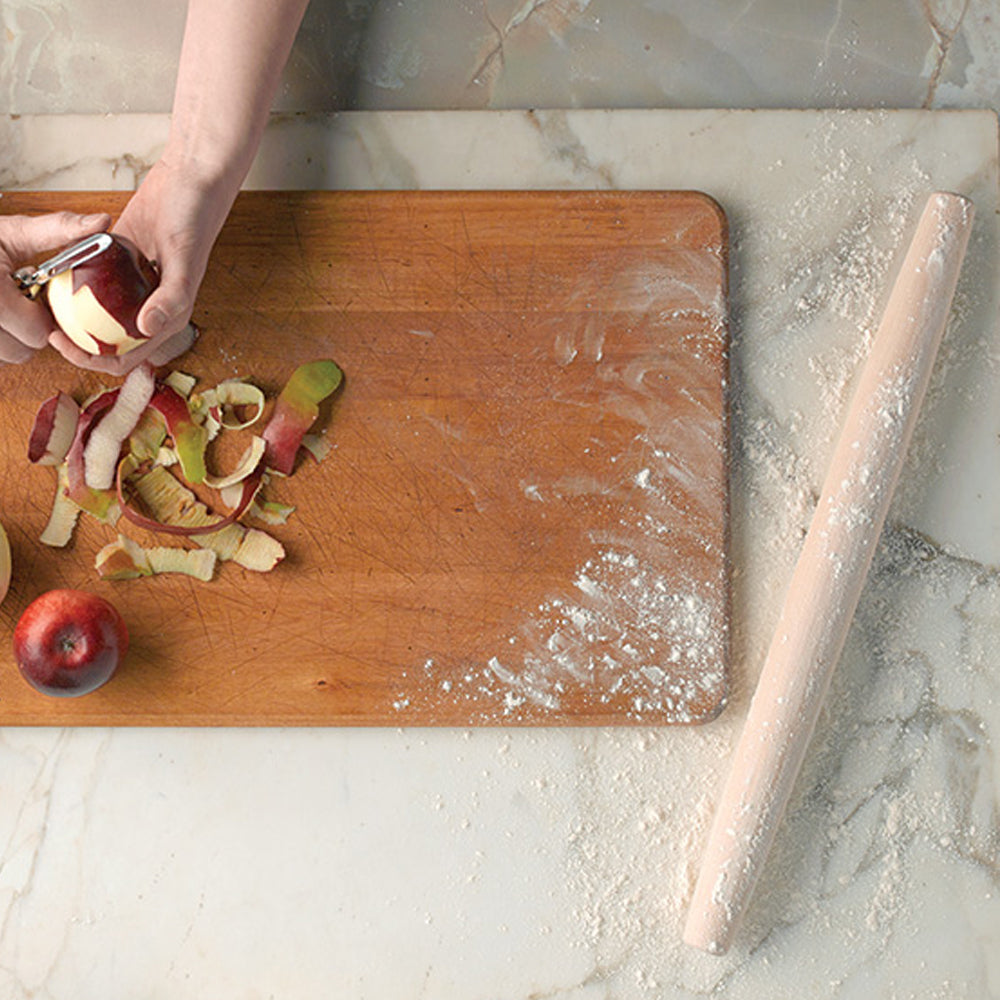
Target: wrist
207	158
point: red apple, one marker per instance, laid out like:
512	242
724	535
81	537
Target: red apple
69	642
97	302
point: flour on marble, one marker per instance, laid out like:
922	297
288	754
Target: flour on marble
878	803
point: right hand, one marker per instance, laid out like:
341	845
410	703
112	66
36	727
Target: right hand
173	218
26	325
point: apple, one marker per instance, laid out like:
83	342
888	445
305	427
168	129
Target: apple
5	565
97	302
69	642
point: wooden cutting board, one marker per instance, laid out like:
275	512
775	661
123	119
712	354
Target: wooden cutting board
522	519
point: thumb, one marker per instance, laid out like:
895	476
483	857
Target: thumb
168	308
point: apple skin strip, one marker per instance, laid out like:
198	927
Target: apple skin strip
178	511
125	559
296	411
62	520
54	429
98	503
179	522
190	438
104	443
249	465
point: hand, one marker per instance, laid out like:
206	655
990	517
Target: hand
173	218
25	326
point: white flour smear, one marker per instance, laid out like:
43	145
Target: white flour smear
632	628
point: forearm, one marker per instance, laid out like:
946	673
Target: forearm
230	67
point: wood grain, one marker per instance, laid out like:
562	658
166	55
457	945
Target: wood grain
523	517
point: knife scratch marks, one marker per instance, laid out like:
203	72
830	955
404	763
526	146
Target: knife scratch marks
376	255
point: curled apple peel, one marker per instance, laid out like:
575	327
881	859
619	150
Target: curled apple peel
245	468
104	444
181	523
235	404
99	503
147	424
176	510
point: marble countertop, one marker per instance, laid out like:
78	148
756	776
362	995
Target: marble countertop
524	863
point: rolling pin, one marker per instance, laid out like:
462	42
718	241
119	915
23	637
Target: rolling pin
826	584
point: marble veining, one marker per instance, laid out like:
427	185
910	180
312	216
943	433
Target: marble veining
97	57
443	863
440	864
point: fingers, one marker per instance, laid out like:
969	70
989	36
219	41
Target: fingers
12	350
25	326
106	363
157	352
174	345
25	236
27	322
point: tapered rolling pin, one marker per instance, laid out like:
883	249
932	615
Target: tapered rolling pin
827	581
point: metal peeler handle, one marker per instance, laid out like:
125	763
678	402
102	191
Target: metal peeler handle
31	279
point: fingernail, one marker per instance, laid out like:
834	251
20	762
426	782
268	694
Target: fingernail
96	219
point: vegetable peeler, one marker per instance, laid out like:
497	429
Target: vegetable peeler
31	279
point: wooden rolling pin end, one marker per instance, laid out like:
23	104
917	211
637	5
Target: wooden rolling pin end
830	572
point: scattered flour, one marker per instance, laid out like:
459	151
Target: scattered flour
898	787
883	804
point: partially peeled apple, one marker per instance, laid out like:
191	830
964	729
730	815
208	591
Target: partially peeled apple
97	302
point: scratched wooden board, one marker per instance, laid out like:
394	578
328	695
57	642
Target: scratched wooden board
522	519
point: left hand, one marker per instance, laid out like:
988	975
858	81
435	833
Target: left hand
26	325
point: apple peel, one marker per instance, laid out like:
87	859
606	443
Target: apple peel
231	396
317	446
246	466
59	529
271	511
181	382
190	438
53	430
179	524
104	444
147	424
98	503
296	411
125	559
148	436
177	510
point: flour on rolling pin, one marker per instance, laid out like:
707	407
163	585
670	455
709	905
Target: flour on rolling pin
826	586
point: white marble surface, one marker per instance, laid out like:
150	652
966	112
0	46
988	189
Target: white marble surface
493	863
118	56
